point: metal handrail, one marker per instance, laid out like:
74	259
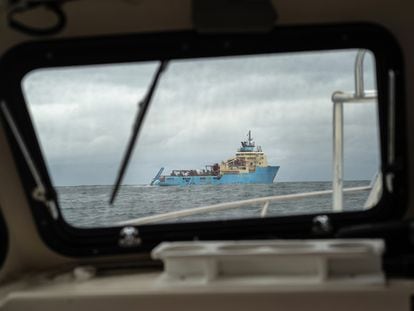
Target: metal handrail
232	205
360	95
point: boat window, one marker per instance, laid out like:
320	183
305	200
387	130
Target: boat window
311	140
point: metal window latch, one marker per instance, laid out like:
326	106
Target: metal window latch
321	224
129	237
39	194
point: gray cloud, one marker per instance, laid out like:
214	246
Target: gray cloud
200	113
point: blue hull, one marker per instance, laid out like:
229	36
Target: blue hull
262	175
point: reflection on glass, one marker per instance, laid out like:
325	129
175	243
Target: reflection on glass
218	130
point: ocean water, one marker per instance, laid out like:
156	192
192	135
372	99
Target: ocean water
87	206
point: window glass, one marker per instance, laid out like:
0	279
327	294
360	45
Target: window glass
218	130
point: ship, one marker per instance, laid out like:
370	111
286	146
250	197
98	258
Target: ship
249	166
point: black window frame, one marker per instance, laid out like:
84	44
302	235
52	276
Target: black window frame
71	241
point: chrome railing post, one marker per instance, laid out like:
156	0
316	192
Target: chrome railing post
264	209
339	99
359	74
338	156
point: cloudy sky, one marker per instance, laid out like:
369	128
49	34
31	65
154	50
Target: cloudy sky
201	111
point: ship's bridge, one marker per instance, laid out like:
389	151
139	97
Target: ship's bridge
247	158
248	145
252	159
247	149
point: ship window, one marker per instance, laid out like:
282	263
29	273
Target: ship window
84	114
318	108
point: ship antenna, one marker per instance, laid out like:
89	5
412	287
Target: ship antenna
250	137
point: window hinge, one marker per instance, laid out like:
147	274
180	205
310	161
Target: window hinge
39	192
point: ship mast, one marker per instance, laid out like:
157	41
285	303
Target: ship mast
250	138
247	145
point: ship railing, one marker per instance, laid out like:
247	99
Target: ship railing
263	201
359	96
